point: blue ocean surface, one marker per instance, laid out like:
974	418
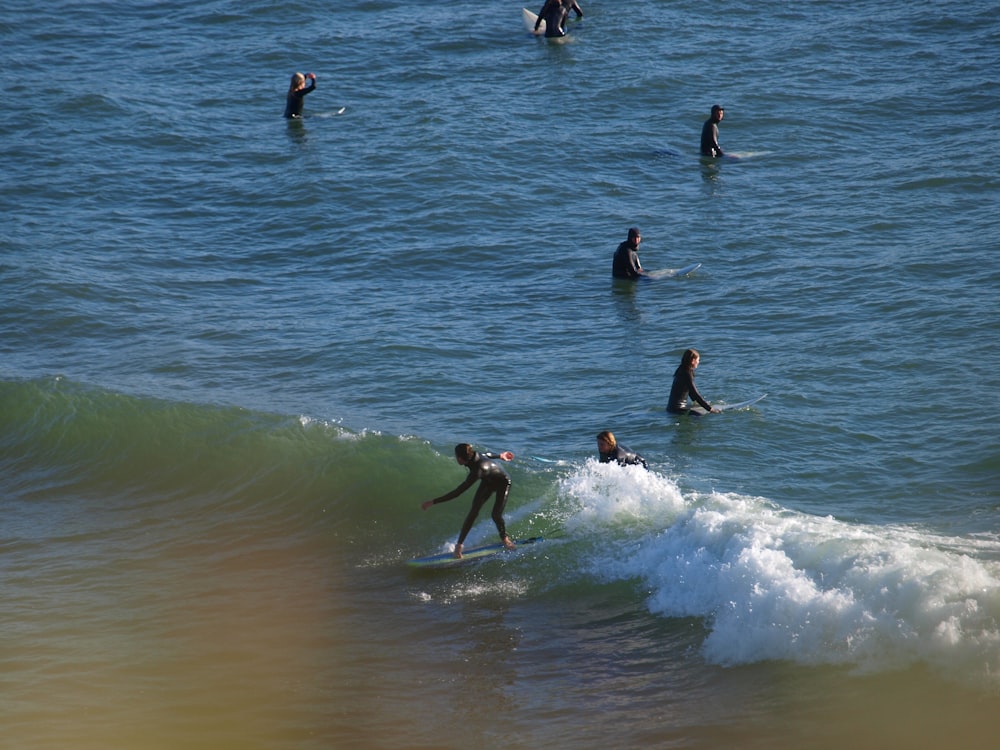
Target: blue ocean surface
238	350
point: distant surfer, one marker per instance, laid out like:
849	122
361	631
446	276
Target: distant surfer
554	14
626	263
710	133
492	480
611	450
297	91
683	386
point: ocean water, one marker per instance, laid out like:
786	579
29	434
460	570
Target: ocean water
237	352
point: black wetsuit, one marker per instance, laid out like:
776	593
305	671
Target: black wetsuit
623	456
682	387
626	263
493	479
554	14
710	138
296	100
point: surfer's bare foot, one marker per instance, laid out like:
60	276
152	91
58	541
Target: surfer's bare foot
458	551
508	543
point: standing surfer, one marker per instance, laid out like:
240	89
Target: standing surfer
710	133
684	385
492	480
297	91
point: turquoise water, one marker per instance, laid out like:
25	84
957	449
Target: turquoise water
237	352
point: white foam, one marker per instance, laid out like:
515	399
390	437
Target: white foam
609	495
776	584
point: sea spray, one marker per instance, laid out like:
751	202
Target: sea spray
776	584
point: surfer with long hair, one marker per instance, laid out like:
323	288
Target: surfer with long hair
297	91
609	449
683	386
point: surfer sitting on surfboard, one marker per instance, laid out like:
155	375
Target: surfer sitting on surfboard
710	133
684	385
626	263
554	13
611	450
297	91
492	479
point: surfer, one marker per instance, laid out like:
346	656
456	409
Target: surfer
610	450
297	91
710	133
684	385
554	13
626	263
492	480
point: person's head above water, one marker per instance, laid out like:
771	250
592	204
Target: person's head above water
690	357
606	441
464	453
718	112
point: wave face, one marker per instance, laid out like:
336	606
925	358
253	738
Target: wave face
769	583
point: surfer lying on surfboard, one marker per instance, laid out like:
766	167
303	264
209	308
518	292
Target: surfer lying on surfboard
492	480
610	450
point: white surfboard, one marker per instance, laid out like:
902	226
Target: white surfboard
745	154
474	555
543	460
330	114
670	273
729	407
741	404
529	22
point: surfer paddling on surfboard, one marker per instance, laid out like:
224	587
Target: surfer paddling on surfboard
554	14
492	480
610	450
683	386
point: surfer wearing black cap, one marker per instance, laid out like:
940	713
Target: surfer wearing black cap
710	133
492	480
626	263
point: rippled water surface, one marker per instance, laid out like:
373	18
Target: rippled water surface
237	352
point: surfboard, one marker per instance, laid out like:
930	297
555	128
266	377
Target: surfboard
529	22
729	407
469	556
745	154
671	273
